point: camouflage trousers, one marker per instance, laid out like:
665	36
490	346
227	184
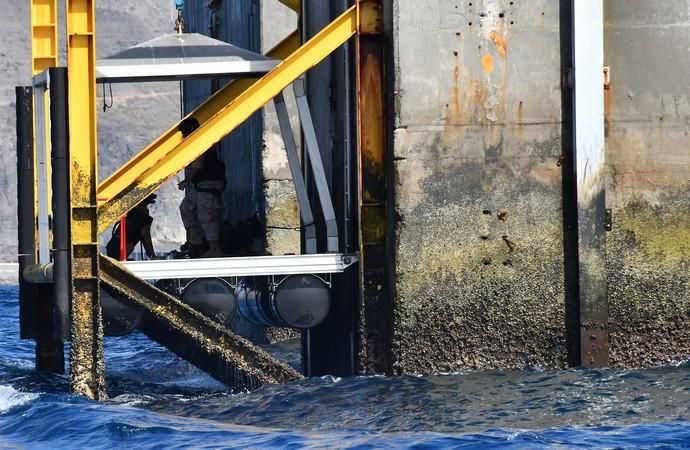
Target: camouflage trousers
201	213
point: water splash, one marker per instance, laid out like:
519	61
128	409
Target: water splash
10	398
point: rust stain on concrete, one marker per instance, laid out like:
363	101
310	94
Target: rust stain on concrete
456	98
488	63
499	40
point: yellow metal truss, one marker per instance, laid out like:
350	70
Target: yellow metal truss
159	162
87	346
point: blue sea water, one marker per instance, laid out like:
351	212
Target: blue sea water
159	401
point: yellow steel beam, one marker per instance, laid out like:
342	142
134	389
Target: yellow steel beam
127	188
44	35
44	55
86	355
295	5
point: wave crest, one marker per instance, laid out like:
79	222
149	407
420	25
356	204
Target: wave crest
10	398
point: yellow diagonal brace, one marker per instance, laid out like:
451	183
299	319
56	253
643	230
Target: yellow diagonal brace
153	170
295	5
130	171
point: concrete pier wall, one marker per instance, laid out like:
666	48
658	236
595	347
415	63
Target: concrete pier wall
648	155
478	191
478	136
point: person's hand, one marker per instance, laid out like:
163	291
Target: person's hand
182	185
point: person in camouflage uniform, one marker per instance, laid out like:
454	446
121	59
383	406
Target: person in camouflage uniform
201	208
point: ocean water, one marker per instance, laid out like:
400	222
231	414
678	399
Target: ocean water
159	401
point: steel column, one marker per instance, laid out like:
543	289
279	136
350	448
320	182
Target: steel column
87	365
26	211
376	295
588	112
61	200
35	302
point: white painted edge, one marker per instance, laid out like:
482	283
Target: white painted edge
588	39
241	266
108	73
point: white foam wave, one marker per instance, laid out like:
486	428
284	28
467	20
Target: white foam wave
10	398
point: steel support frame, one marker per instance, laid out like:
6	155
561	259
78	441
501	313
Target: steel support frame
305	210
26	211
61	188
589	166
316	164
86	356
42	152
126	188
373	191
196	338
35	301
129	171
44	55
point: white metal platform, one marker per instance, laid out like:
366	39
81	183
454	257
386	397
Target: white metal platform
181	57
241	266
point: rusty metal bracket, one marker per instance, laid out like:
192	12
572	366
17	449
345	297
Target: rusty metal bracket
370	17
609	220
607	78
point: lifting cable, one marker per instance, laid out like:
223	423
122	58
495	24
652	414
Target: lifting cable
107	106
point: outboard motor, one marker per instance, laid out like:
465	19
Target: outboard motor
213	297
119	318
299	301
